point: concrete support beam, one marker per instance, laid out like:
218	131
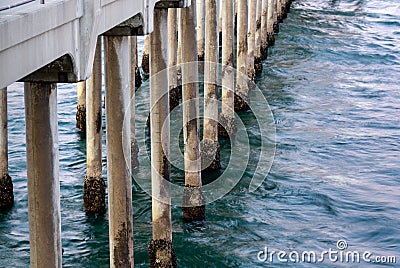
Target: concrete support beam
193	199
81	107
6	186
210	159
94	188
227	121
161	251
242	89
43	180
117	69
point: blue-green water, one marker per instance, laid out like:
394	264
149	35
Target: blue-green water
333	83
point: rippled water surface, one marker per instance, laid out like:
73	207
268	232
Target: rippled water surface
333	83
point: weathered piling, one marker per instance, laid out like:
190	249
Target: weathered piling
252	25
145	57
138	77
279	7
134	144
175	93
42	169
275	16
271	23
94	190
117	69
242	89
264	29
227	126
210	159
6	186
235	10
179	48
220	26
81	107
193	199
257	47
200	16
287	6
284	7
161	251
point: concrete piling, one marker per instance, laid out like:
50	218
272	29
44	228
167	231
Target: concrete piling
242	89
271	23
117	74
94	193
210	159
145	57
175	93
179	48
6	186
284	9
257	47
81	107
220	26
264	29
200	17
43	172
138	76
193	200
227	126
161	251
134	144
279	6
252	24
287	5
275	16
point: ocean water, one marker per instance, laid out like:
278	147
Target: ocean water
332	82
